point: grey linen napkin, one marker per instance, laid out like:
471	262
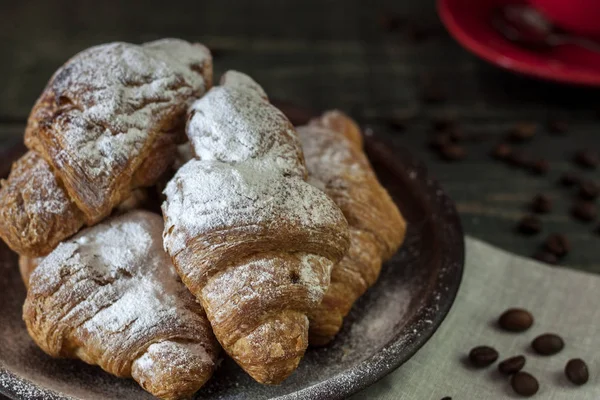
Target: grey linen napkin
563	301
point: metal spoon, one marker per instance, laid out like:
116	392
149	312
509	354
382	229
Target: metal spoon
524	25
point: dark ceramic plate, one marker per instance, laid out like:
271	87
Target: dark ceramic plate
385	328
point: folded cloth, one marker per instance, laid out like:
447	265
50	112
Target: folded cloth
562	301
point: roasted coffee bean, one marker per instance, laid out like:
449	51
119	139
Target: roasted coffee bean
546	257
397	123
502	151
522	131
447	398
548	344
587	158
540	167
453	152
457	136
557	244
444	123
584	210
483	356
390	22
589	190
439	140
577	372
524	384
569	179
557	126
515	320
529	225
541	204
511	365
518	159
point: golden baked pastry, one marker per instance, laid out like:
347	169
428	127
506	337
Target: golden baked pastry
111	297
250	238
336	163
108	122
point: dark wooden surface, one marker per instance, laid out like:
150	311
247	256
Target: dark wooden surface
325	54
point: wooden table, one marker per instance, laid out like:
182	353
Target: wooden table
326	54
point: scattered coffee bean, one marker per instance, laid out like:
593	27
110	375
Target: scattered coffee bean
502	151
584	210
589	190
557	126
546	257
529	225
522	131
453	152
540	167
511	365
557	244
456	135
587	158
397	123
447	398
515	320
541	204
524	384
433	93
547	344
518	159
577	372
482	356
444	123
439	140
569	179
390	22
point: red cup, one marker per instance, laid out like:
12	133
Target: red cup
575	16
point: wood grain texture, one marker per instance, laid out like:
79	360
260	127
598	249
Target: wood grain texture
325	54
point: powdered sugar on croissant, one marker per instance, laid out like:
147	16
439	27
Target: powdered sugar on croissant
250	238
111	297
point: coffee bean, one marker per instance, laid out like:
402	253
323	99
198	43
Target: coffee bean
584	210
390	22
577	372
397	123
447	398
444	123
557	126
541	204
557	244
589	190
433	93
569	179
456	135
512	365
502	151
518	159
524	384
522	131
515	320
587	159
453	152
548	344
439	140
546	257
529	225
482	356
540	167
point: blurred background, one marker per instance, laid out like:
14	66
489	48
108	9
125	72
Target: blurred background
389	64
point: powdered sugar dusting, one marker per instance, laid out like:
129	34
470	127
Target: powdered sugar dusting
113	288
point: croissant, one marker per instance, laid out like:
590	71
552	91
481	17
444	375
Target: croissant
336	163
111	297
250	238
108	122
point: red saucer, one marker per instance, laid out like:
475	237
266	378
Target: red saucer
470	23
